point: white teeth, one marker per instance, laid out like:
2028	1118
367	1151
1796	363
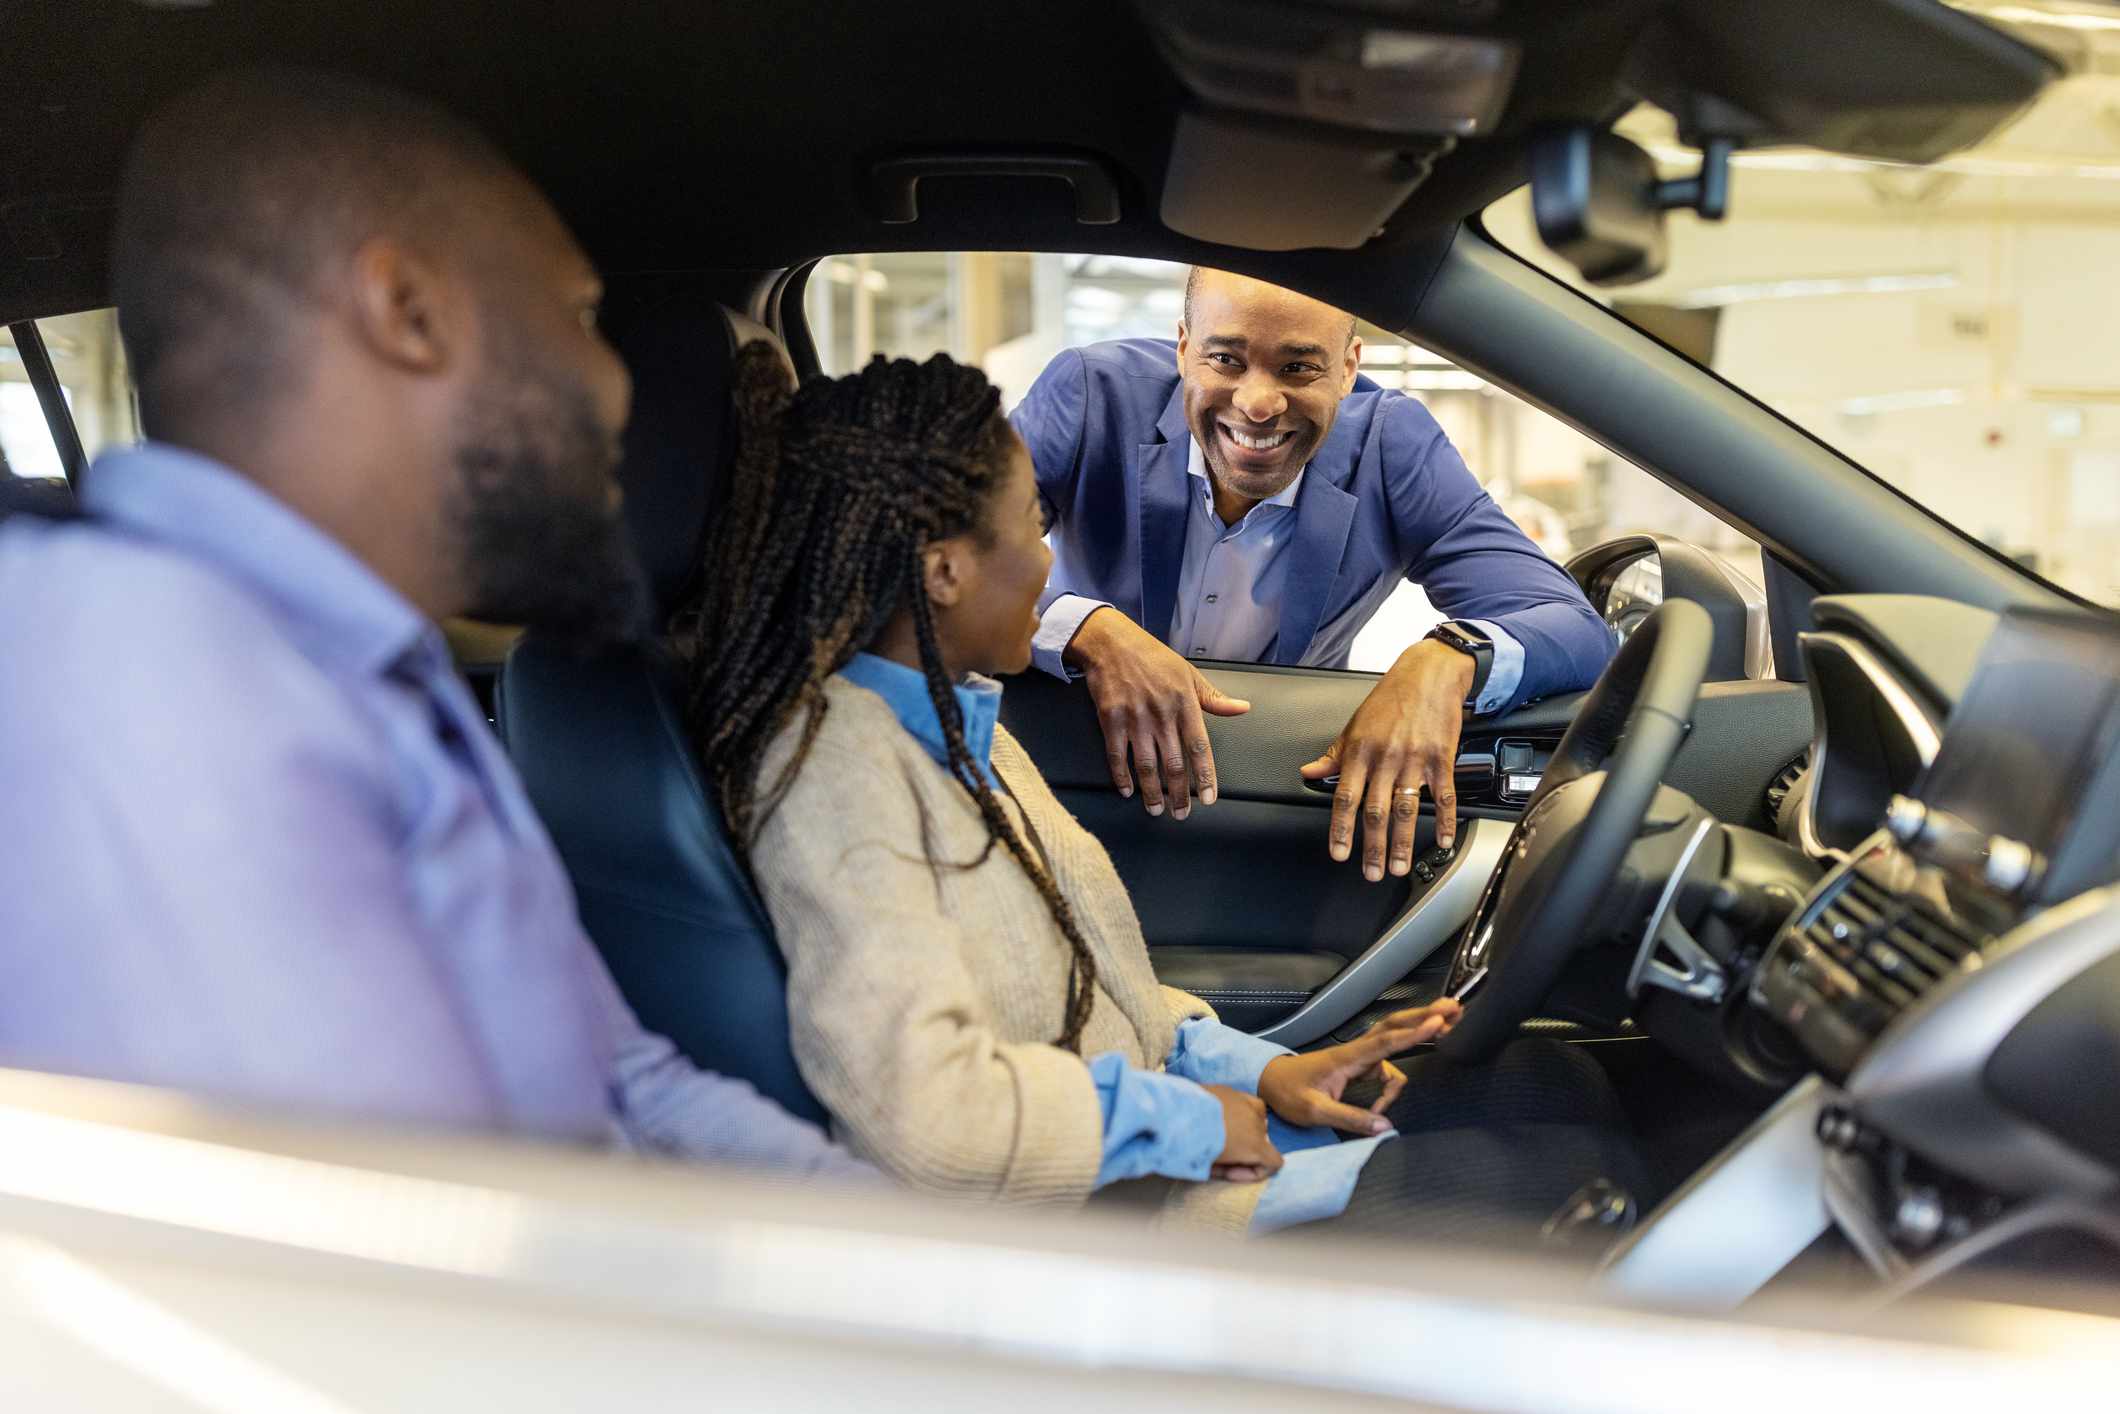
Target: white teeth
1257	444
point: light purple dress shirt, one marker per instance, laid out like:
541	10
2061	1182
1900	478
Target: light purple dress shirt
257	842
1230	587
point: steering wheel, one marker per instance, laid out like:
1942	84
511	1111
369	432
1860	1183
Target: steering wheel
1563	855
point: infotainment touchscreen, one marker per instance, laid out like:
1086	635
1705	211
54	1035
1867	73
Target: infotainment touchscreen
2036	741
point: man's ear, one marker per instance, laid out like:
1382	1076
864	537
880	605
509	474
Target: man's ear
1184	338
404	309
1353	366
945	571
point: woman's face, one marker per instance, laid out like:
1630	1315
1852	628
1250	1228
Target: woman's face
990	626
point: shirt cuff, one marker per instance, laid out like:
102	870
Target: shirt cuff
1313	1184
1210	1053
1505	673
1057	627
1154	1122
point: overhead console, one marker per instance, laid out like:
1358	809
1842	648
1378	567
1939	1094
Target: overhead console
1343	109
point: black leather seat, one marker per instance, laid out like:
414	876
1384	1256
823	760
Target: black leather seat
601	744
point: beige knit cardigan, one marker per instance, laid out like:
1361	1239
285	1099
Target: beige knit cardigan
924	997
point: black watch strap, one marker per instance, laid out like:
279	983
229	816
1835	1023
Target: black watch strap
1475	644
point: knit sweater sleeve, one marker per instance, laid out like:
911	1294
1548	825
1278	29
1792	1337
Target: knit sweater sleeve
1184	1006
888	1028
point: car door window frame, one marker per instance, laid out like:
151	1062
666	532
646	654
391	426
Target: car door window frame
51	397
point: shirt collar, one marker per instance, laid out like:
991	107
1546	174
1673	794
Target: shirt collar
337	607
905	691
1196	465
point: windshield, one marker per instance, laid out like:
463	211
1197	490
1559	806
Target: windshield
1954	328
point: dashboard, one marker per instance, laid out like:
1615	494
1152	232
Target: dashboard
1957	970
1884	673
1943	840
1937	999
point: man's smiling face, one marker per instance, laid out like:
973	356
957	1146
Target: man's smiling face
1264	371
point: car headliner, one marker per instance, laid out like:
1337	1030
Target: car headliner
678	135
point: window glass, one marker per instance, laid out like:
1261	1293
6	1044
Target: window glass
25	442
1011	313
1950	328
90	361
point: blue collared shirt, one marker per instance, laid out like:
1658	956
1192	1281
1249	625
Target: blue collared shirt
1232	578
1230	587
905	691
1155	1122
260	844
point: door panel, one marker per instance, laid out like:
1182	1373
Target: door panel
1250	988
1242	898
1238	874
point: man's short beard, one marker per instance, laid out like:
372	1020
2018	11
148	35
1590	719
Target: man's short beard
1218	467
543	545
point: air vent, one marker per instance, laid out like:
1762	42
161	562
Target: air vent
1853	959
1876	954
1778	790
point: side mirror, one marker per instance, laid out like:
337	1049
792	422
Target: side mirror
1625	578
1593	194
1600	205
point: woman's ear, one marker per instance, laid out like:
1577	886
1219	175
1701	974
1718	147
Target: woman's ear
946	568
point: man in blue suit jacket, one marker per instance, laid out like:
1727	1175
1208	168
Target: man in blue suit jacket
1246	495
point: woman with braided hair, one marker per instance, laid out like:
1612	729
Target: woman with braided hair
969	992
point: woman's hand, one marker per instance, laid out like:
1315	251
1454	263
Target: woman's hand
1306	1089
1247	1154
1446	1009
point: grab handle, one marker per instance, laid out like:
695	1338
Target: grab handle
897	181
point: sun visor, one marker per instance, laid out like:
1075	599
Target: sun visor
1236	183
1317	64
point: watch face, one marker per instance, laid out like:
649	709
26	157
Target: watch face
1472	637
1463	639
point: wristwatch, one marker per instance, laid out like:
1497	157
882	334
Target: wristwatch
1472	640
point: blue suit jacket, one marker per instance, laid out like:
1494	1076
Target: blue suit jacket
1386	498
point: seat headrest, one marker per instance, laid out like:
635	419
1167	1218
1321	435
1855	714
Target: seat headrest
680	345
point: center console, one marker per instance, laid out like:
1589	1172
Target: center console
2016	813
1954	983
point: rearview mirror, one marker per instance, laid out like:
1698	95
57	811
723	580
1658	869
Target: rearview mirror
1595	198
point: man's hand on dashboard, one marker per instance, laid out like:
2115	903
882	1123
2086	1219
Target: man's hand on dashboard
1151	705
1403	736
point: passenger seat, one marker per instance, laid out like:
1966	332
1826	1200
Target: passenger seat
601	743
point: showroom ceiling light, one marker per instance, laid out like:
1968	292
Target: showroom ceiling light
839	272
1427	380
1095	297
2030	165
1908	401
1392	355
1743	292
2060	17
1444	380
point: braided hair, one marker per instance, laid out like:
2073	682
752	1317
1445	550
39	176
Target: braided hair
840	488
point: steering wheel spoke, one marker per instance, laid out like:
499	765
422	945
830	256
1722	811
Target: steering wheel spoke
1567	850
